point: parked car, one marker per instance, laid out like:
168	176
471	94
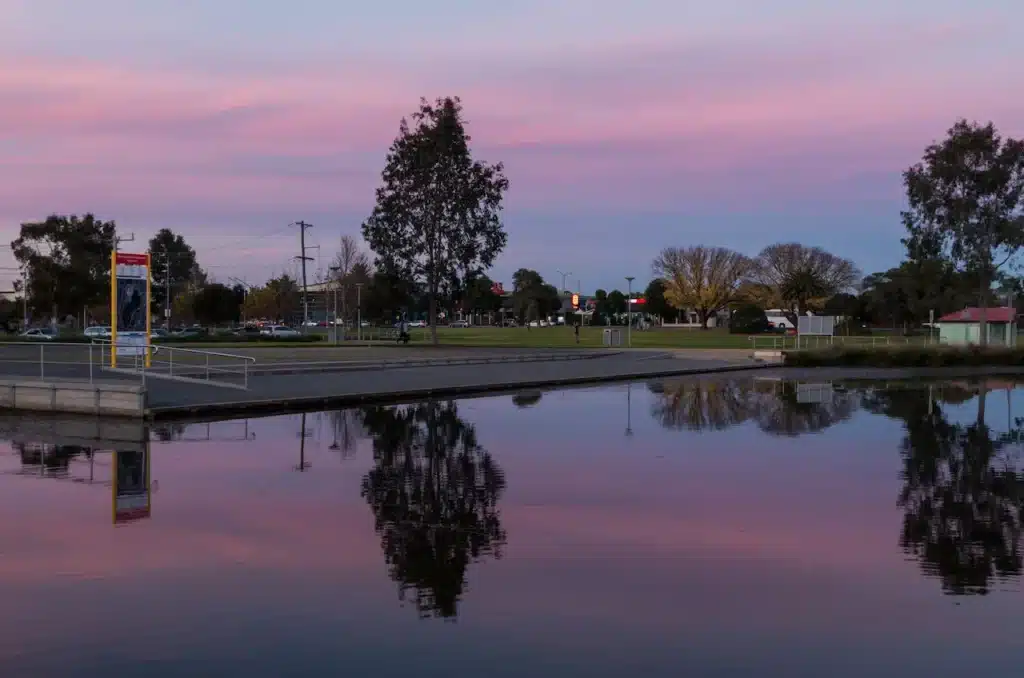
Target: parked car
418	323
39	334
158	333
280	332
247	331
97	332
458	323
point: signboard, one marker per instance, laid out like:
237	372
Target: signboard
819	325
497	288
131	485
129	306
575	301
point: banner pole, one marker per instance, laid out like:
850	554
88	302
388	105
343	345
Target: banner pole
113	308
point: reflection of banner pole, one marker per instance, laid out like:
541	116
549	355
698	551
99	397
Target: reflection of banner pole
132	485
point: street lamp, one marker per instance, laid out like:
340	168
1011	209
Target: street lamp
359	310
629	311
564	276
334	279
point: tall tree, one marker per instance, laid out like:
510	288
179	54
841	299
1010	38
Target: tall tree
966	201
67	263
170	253
705	279
797	278
655	302
438	211
216	304
278	300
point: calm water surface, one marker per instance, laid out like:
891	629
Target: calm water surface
748	528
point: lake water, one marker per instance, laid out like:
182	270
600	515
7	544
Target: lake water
720	528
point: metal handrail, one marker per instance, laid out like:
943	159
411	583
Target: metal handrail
208	369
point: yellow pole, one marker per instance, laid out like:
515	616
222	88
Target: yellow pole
149	315
113	309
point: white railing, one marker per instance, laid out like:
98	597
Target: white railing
50	360
183	364
781	342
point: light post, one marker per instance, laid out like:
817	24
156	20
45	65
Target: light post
359	310
564	276
629	311
334	278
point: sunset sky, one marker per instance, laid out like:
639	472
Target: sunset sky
624	127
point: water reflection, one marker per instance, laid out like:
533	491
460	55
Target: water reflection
778	408
434	494
125	469
963	490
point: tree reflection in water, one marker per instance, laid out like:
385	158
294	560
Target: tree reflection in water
963	491
778	408
434	493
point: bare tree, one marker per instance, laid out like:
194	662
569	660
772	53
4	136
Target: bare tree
797	278
350	256
705	279
351	266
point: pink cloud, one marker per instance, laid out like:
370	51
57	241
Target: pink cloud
632	123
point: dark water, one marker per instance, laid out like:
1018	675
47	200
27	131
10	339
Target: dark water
715	529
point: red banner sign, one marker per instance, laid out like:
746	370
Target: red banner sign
131	259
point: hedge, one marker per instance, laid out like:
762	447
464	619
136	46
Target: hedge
909	356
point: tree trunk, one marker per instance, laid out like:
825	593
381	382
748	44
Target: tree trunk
703	316
432	314
983	311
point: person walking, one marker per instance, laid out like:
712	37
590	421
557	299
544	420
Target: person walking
576	329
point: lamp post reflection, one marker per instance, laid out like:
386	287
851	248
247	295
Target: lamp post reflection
629	410
303	464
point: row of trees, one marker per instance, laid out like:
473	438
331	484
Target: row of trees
965	229
65	264
788	276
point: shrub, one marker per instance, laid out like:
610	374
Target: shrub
748	319
909	356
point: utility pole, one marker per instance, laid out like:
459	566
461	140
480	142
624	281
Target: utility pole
303	258
118	240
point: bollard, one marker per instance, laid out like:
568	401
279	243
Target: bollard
42	361
90	362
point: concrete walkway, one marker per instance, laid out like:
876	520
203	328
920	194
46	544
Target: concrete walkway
338	388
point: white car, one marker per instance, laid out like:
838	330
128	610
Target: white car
280	331
418	323
44	334
97	332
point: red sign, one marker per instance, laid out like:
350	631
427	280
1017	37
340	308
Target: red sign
497	288
638	301
131	259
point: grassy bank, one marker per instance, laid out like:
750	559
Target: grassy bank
906	356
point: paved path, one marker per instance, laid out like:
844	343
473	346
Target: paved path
270	392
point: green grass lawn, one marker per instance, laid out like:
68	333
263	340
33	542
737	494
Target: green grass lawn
589	337
514	337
